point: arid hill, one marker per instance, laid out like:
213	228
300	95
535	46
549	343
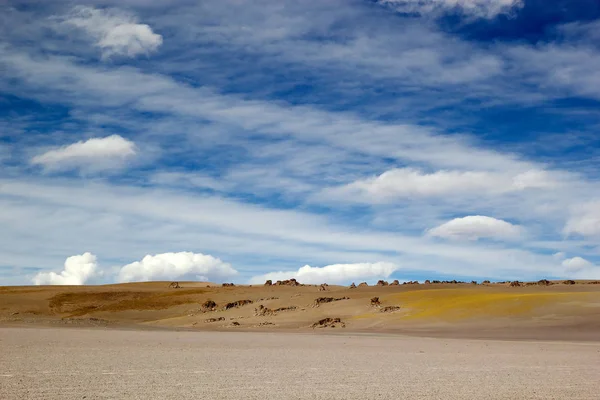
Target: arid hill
529	310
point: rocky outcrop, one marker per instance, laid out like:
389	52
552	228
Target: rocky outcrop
237	304
323	300
353	286
228	285
375	302
363	284
324	287
287	282
329	323
269	283
381	282
568	282
515	284
174	285
209	305
544	282
395	283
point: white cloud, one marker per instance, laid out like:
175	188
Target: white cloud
585	221
169	266
477	8
410	182
96	153
336	273
576	264
474	227
115	32
78	269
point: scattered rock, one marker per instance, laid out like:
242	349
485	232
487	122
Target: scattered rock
84	321
235	323
262	311
329	323
353	286
412	283
268	298
515	284
390	309
236	304
265	323
568	282
209	305
544	282
228	285
290	308
381	282
174	285
323	300
363	284
269	283
214	319
375	302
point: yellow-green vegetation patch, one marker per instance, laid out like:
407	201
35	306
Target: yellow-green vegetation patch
454	304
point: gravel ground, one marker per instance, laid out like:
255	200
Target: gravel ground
72	363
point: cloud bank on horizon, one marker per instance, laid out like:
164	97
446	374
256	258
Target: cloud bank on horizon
416	138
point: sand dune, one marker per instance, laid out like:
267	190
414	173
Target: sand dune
557	311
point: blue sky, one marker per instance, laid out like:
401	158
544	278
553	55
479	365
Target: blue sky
332	141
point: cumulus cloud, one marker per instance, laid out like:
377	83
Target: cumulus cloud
168	266
580	268
411	182
77	270
96	153
474	227
336	273
115	32
476	8
576	264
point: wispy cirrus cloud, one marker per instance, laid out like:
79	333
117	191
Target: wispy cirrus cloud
259	114
475	8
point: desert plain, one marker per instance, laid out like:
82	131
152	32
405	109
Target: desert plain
204	340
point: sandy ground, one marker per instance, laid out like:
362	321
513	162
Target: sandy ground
73	363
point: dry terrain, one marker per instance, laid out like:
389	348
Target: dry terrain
65	364
559	311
